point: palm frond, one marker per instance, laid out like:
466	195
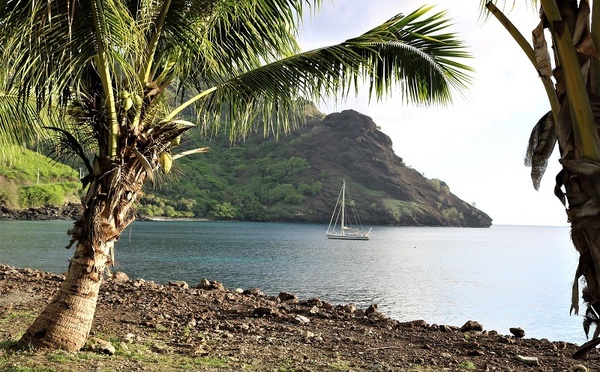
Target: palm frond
21	122
65	146
412	52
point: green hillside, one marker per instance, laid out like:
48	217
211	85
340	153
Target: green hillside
29	179
293	178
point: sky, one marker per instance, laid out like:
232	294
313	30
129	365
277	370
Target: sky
477	144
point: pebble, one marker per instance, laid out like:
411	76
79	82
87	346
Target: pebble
101	346
301	319
530	361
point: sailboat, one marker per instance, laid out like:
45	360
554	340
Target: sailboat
344	225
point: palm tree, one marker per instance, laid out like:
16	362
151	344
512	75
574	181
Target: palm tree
119	69
570	73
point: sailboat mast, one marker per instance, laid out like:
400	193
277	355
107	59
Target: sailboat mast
343	206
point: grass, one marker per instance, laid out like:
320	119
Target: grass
18	316
127	356
139	355
468	365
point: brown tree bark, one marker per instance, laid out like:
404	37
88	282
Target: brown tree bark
66	321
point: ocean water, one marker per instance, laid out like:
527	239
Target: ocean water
504	276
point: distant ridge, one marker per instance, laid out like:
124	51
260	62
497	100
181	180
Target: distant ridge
295	178
349	145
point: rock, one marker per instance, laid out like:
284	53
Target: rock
349	308
301	319
476	353
471	325
506	340
100	346
445	328
530	361
326	306
204	284
179	283
129	338
120	277
314	302
263	310
287	296
211	285
254	292
418	323
517	332
371	309
160	348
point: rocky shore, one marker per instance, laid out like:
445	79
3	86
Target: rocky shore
141	325
69	211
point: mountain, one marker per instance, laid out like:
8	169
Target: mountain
294	178
297	177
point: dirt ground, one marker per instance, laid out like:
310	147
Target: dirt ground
205	327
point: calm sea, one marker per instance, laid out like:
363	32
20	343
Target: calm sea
504	276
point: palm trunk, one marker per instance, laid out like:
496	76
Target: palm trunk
66	321
577	185
580	179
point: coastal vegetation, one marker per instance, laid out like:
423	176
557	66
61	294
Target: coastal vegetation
29	179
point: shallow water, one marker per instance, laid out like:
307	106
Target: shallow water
504	276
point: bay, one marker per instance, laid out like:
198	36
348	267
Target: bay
504	276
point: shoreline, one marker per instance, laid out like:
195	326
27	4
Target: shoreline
247	328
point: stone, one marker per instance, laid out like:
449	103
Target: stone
204	284
179	283
445	328
471	325
418	323
287	296
120	277
263	310
301	319
349	308
100	346
530	361
160	348
326	306
371	309
254	292
129	338
517	332
314	302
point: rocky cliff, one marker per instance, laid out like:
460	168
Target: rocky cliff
348	145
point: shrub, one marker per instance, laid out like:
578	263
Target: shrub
41	195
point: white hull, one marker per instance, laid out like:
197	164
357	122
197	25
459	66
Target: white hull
362	236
